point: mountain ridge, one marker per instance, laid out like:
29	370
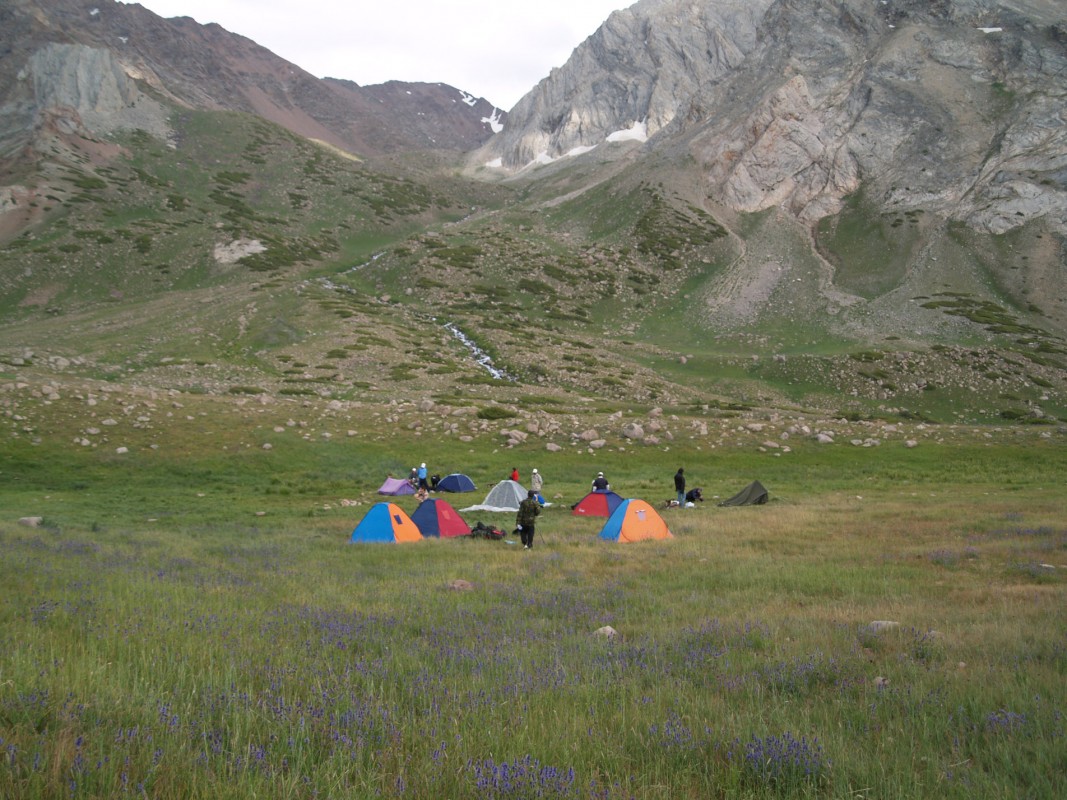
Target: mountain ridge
747	246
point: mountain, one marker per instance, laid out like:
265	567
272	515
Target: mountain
77	55
851	207
954	106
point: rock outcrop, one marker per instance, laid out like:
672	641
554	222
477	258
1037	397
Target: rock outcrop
957	107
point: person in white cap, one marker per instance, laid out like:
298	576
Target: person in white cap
600	483
537	482
422	476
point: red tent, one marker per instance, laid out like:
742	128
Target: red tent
435	517
597	504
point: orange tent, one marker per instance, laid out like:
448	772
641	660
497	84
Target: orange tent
634	521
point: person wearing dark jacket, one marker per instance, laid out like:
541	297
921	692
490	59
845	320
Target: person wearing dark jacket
526	519
679	486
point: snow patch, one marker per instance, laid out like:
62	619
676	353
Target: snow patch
469	99
991	30
493	121
637	133
577	151
496	163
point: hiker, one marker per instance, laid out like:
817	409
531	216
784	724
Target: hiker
421	494
525	519
515	474
600	483
434	480
537	482
413	478
679	486
695	495
422	476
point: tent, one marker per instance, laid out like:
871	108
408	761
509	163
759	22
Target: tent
633	521
456	482
505	496
752	495
597	504
386	522
436	517
395	486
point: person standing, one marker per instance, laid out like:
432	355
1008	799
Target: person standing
514	474
600	483
526	519
537	482
422	477
679	486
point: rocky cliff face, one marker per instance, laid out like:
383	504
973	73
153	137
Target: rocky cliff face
96	59
955	106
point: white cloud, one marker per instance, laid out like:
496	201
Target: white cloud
488	48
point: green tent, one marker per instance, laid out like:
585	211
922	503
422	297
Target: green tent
752	495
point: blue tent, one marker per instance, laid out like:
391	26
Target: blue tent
456	482
386	522
435	517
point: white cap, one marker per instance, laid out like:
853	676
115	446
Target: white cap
600	474
424	463
535	469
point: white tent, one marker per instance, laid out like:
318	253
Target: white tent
505	496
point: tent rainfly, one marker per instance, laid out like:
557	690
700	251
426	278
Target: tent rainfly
396	486
752	495
597	504
386	522
505	496
456	482
634	521
436	518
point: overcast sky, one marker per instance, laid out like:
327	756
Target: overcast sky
496	49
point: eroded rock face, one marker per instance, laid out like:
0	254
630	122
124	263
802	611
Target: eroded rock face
93	85
643	65
956	107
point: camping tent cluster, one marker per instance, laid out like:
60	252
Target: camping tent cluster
388	522
628	520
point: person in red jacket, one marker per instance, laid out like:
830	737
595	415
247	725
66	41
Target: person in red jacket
515	474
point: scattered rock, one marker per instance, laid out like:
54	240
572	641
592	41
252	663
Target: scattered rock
460	585
31	522
883	625
607	632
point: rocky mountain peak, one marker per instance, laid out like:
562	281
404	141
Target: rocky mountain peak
954	106
91	56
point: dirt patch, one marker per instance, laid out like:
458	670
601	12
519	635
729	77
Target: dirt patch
41	296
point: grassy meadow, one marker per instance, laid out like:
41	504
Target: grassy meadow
190	620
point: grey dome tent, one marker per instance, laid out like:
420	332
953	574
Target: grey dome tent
505	496
752	495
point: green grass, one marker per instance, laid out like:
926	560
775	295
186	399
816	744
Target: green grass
190	620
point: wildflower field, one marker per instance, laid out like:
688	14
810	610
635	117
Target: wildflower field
886	628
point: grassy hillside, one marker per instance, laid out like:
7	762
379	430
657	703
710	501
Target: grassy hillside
238	259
